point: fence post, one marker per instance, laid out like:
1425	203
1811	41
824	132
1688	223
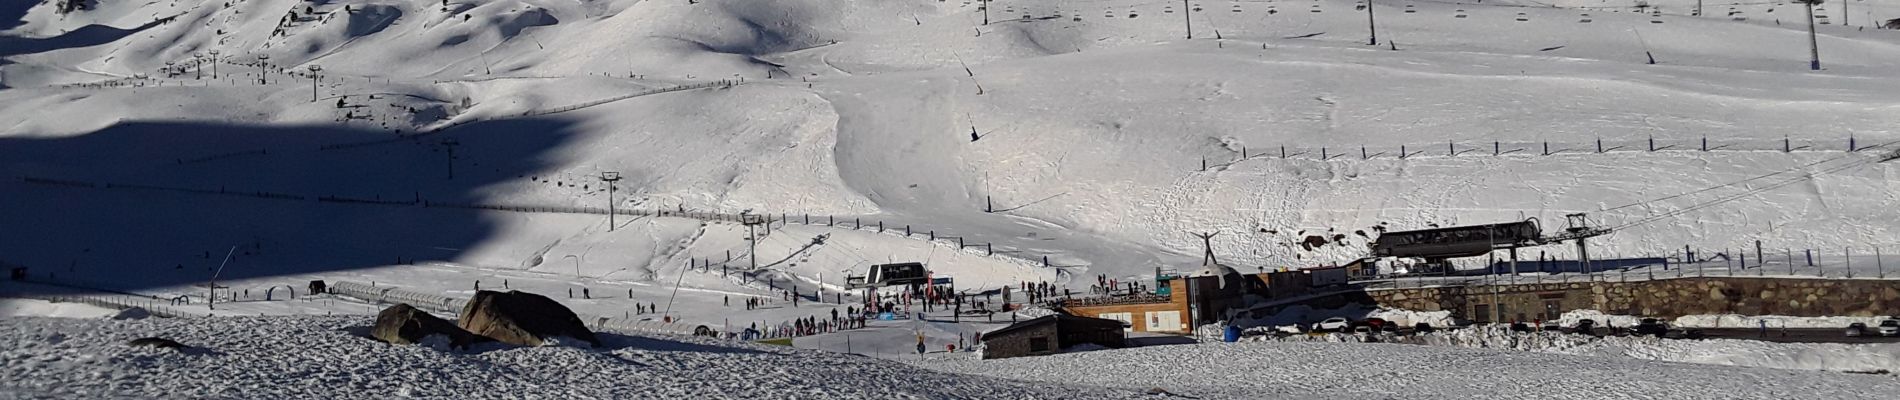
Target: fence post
1322	154
1786	146
1362	153
1243	152
906	230
1203	163
933	235
1878	266
807	219
831	220
1547	148
1847	256
1402	152
1282	152
857	223
1705	143
1451	148
1497	148
880	226
1599	145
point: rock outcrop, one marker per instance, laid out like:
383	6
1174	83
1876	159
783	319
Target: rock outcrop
520	318
403	324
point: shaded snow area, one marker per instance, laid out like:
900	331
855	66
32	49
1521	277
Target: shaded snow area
1256	370
320	357
43	308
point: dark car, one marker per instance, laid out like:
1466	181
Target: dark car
1856	329
1520	327
1652	327
1584	326
1422	327
1376	323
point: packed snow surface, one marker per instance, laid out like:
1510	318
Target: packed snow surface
1385	371
43	308
328	357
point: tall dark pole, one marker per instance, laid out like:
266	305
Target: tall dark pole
986	12
1188	16
450	145
314	69
1814	44
1370	26
610	178
264	79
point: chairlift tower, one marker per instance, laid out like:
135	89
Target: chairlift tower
1580	230
314	69
610	177
450	145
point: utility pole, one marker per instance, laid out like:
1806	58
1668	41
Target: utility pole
610	178
314	69
214	63
752	245
1814	44
450	145
1187	15
1370	26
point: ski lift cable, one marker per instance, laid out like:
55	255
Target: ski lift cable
1752	179
1751	192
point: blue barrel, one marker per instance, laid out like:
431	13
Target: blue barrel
1233	334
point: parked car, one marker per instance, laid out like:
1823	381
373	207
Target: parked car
1585	326
1652	327
1552	326
1363	329
1389	327
1520	327
1856	329
1336	324
1890	327
1422	327
1376	323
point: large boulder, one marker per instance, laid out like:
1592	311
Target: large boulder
520	318
403	324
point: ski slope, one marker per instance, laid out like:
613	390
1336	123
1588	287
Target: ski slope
1093	121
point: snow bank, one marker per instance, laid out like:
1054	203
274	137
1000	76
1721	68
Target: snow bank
1744	353
1407	318
1773	321
43	308
1726	320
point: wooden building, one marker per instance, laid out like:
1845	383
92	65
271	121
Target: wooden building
1049	335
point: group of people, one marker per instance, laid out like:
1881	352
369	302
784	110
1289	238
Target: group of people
807	326
1036	291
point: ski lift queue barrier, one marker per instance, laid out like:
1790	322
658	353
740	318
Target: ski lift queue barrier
391	294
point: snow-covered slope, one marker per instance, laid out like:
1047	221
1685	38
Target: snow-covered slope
320	357
1084	125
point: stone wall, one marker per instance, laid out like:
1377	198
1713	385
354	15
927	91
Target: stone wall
1016	344
1662	298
